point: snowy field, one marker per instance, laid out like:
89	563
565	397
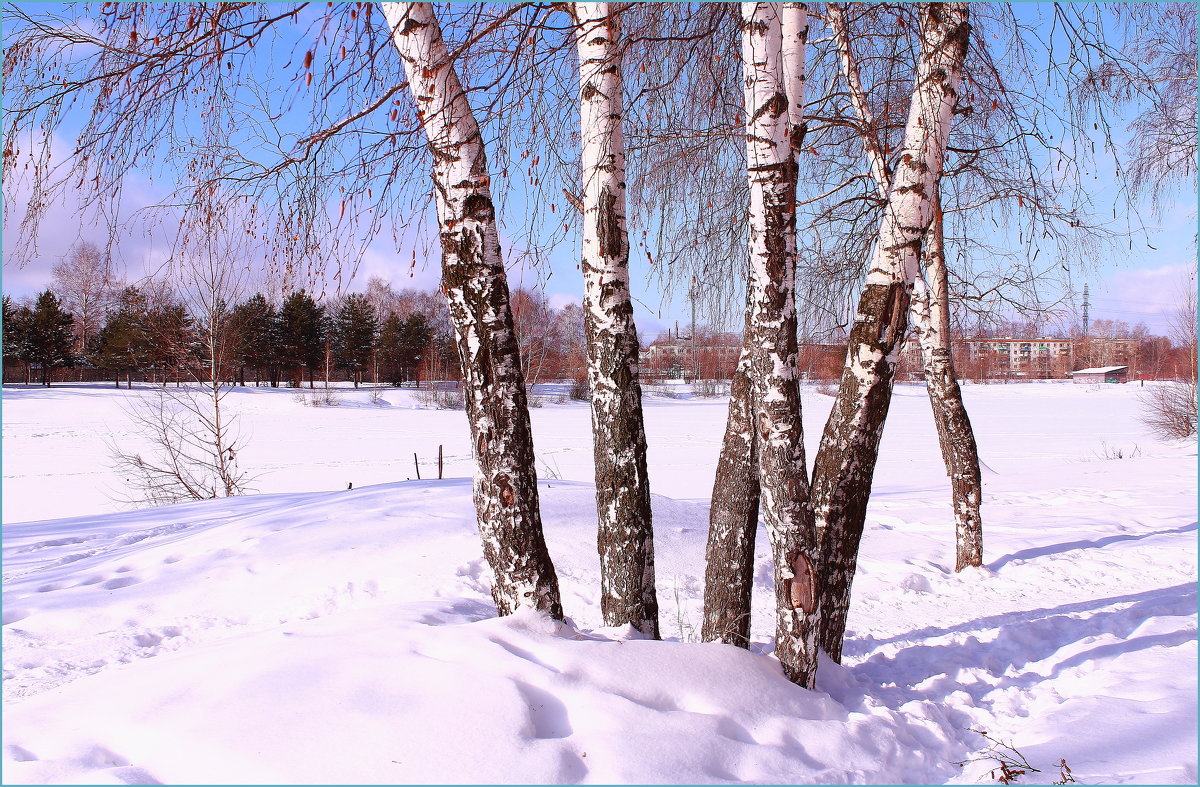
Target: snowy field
314	634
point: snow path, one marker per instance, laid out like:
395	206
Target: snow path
349	637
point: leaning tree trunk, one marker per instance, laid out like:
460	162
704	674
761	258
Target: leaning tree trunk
626	535
931	319
771	337
733	522
473	279
845	462
930	311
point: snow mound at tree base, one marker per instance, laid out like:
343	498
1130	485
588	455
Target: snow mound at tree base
411	693
349	637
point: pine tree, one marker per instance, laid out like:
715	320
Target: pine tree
402	345
259	332
302	340
354	331
389	343
124	341
50	337
416	333
16	334
171	338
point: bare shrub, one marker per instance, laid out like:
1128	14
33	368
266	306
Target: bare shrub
708	389
551	471
440	398
580	392
319	397
193	449
827	389
684	627
1169	410
1116	452
1010	763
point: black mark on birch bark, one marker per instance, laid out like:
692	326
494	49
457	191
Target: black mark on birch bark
609	226
478	207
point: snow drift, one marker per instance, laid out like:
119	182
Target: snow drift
350	637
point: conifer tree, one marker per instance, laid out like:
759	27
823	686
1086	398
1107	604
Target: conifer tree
402	346
16	334
171	340
389	342
354	330
415	335
124	341
302	334
258	327
49	335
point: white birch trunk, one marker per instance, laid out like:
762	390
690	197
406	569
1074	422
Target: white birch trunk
625	531
858	99
931	321
475	285
845	462
766	370
771	336
930	312
794	28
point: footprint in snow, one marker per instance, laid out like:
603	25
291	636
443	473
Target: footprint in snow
119	582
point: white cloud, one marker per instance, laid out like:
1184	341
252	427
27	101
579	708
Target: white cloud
1149	295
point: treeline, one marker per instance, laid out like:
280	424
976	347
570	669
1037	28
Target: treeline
98	327
147	335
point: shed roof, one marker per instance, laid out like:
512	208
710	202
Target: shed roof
1100	370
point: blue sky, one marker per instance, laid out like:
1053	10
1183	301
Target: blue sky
1137	280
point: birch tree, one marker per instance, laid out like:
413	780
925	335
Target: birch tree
86	280
930	312
476	288
733	521
956	438
626	536
772	433
845	463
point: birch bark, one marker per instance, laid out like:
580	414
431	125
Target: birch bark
762	457
626	536
733	521
771	334
930	312
475	285
845	462
931	319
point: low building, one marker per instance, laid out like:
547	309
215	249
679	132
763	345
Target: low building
676	357
1102	374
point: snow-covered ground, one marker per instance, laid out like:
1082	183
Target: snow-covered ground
312	633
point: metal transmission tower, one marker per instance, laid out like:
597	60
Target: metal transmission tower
694	293
1086	324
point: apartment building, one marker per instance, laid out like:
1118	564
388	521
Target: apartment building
1044	356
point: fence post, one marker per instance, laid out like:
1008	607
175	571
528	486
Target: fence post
439	463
